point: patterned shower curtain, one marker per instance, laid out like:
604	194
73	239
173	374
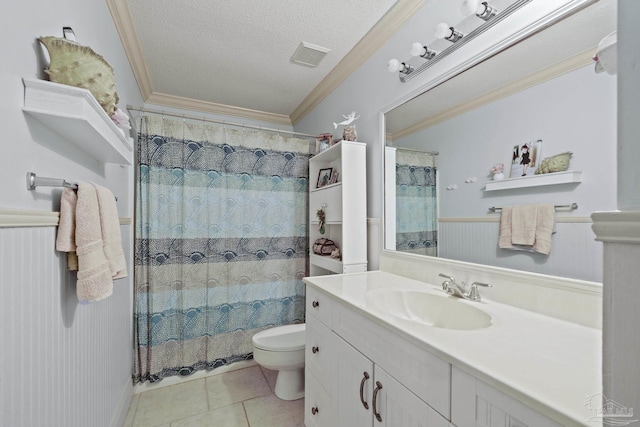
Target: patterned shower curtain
416	203
221	243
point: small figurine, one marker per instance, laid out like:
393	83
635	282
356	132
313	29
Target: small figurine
349	133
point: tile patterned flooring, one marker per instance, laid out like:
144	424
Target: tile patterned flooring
241	398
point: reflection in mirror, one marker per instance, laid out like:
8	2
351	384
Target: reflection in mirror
416	206
543	88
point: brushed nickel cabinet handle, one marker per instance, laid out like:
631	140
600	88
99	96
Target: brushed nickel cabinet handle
315	304
365	377
315	349
375	396
314	410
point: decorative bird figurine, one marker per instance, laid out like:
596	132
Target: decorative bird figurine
350	119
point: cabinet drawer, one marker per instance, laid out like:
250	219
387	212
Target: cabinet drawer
319	305
423	373
331	198
317	403
320	351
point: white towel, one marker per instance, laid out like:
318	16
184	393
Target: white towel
66	238
523	225
110	228
94	275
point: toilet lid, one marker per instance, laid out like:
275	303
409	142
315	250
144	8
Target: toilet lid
281	338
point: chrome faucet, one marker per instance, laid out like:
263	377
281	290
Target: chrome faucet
460	290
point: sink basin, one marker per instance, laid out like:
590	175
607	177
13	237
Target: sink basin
434	310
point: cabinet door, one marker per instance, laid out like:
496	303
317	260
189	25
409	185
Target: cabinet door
398	407
352	397
317	403
476	404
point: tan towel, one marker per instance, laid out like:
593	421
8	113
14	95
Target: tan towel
523	225
66	238
504	238
110	228
544	228
545	223
94	276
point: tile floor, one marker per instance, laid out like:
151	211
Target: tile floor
241	398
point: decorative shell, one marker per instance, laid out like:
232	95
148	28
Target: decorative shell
75	65
557	163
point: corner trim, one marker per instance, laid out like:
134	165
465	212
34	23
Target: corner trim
617	226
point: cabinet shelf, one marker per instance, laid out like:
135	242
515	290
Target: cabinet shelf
74	114
326	187
567	177
327	263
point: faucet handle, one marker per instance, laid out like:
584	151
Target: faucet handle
473	294
450	278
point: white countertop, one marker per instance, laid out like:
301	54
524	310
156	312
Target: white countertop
549	364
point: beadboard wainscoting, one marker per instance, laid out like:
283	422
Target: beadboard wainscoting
574	251
61	363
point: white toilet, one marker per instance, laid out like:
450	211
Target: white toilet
282	349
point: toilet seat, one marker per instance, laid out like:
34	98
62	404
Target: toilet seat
281	338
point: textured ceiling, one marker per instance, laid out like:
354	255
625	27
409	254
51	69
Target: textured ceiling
574	35
237	53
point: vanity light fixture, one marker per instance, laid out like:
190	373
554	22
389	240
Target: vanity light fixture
444	31
394	65
482	9
418	49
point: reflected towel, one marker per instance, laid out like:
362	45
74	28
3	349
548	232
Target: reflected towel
66	238
110	228
544	228
94	276
523	225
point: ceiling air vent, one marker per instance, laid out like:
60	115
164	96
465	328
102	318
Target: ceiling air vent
309	55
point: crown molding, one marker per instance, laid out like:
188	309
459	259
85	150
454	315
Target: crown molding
617	226
126	31
361	52
213	108
565	66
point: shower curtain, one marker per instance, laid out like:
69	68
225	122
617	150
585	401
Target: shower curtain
416	203
221	243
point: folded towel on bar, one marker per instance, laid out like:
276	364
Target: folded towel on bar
523	224
66	238
110	227
94	274
543	228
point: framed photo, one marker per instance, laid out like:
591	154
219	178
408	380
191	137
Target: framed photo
323	141
324	177
525	158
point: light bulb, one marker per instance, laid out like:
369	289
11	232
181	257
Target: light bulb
393	65
442	30
469	7
417	49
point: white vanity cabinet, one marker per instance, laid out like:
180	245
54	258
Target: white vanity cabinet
343	376
345	205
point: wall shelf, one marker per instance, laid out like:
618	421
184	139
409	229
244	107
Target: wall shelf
567	177
332	264
74	114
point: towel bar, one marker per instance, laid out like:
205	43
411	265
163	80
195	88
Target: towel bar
572	206
34	181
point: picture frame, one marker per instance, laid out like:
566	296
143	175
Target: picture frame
324	177
525	158
323	141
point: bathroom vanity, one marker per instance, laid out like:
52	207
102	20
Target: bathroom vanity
386	350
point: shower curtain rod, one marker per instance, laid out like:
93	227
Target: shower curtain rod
433	153
222	122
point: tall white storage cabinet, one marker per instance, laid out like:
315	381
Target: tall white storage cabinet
345	207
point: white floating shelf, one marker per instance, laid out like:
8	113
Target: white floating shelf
567	177
74	114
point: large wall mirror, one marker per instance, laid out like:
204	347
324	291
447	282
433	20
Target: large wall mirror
542	93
